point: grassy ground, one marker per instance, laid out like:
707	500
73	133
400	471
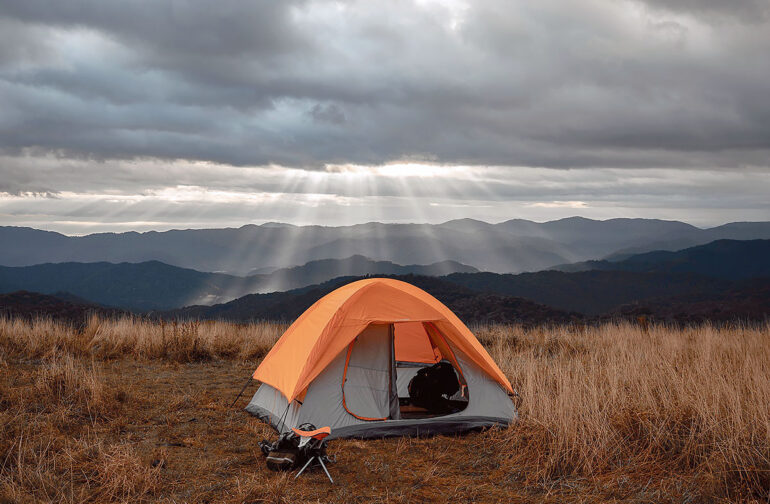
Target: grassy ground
130	411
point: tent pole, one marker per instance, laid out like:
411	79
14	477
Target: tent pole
283	417
241	392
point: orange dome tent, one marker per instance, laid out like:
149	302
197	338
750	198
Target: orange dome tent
347	360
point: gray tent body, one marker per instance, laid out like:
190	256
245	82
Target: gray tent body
361	399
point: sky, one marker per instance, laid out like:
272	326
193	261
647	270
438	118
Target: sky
121	115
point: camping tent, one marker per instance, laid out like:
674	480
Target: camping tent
347	360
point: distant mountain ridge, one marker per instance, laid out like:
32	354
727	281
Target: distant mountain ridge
730	231
62	307
153	285
512	246
727	277
722	281
745	301
733	259
596	287
704	270
589	292
469	305
316	272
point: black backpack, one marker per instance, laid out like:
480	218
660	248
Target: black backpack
283	454
432	387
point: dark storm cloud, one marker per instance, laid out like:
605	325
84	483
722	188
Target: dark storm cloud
556	84
233	28
745	10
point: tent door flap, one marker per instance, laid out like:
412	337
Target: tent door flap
367	388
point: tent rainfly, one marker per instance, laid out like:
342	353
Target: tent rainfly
346	363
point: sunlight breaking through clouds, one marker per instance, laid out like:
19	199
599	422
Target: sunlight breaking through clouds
404	170
153	194
560	204
331	113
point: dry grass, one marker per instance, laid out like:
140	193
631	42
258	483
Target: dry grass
130	411
648	400
49	451
138	338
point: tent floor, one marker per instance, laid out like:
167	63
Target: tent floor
411	412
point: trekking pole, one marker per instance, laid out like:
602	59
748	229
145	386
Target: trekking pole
241	392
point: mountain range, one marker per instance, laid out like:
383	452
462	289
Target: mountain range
731	274
744	301
722	258
597	287
717	280
471	306
705	270
61	306
153	285
508	247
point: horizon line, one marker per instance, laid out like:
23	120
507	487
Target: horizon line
404	223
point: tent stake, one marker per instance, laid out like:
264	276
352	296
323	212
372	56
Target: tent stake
241	392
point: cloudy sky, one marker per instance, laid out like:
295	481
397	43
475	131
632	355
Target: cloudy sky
123	114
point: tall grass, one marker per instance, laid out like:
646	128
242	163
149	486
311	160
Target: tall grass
644	402
47	448
139	338
651	399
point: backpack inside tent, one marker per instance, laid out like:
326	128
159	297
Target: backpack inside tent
380	357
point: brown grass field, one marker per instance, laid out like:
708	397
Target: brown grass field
133	411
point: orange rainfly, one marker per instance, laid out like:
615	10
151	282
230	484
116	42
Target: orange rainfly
313	341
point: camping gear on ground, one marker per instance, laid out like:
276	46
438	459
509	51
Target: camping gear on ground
296	447
282	460
313	446
283	454
433	386
347	361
